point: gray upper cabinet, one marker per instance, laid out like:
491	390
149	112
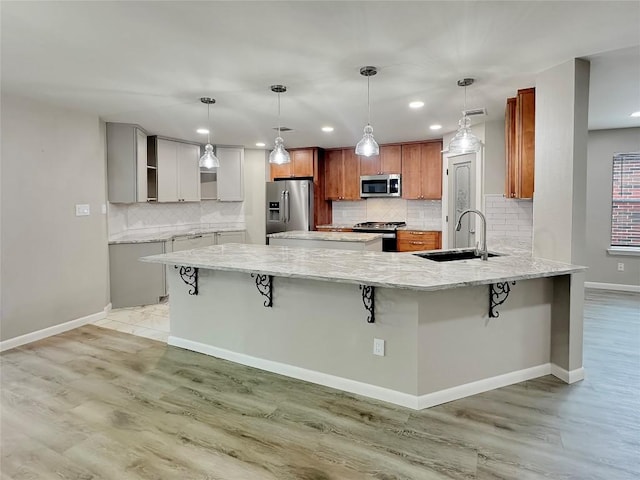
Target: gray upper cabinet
126	163
178	173
230	174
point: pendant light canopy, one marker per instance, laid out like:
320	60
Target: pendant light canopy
464	140
368	145
279	155
208	160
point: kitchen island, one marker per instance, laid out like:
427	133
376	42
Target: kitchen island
450	329
338	240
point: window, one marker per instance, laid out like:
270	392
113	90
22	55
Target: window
625	215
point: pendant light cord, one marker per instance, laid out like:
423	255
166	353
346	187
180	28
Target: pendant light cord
368	103
278	113
209	122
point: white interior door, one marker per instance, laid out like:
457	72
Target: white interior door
461	197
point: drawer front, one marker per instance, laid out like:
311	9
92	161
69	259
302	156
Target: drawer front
420	235
417	245
416	240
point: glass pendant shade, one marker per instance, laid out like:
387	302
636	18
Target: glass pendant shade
279	155
464	140
209	160
368	145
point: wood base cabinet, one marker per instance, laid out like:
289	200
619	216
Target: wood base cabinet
520	121
417	240
422	171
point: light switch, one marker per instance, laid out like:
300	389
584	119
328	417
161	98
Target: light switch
104	208
82	210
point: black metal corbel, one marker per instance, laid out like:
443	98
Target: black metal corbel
498	293
368	299
189	276
264	283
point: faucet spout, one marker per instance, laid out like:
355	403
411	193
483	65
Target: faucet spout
484	252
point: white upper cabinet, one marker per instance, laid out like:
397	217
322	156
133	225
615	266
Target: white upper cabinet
126	163
230	174
178	170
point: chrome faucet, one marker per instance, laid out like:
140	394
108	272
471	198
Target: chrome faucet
484	252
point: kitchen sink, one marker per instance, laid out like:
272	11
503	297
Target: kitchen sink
452	255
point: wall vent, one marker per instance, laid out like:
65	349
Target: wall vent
475	111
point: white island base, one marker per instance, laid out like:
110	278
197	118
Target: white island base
440	345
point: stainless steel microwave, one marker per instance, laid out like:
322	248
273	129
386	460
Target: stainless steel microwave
380	186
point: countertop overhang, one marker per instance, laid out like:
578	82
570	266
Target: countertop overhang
377	269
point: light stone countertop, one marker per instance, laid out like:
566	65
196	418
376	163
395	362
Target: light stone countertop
378	269
163	235
328	236
335	225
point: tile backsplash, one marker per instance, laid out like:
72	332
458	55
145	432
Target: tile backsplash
509	220
148	216
423	214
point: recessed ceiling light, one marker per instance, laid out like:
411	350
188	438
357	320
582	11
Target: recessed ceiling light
202	131
435	127
260	144
416	104
327	129
635	114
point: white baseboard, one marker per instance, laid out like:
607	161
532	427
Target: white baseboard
480	386
414	402
54	330
613	286
566	375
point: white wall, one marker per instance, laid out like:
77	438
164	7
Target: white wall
54	264
559	202
603	268
256	171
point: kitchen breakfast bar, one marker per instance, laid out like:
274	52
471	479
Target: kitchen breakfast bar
450	329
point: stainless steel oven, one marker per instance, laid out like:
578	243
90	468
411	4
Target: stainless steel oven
387	229
380	186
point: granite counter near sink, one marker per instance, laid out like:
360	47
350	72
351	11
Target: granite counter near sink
334	240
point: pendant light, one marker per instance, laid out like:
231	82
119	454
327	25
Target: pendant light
464	140
368	145
279	155
208	160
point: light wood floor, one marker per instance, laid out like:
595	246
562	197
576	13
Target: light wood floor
100	404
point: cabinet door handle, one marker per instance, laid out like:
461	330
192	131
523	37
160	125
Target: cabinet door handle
416	243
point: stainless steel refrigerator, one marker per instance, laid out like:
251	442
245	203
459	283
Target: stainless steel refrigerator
289	205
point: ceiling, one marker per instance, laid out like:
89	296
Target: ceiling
150	62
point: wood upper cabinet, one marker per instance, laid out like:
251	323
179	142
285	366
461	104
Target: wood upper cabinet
520	120
422	171
342	175
389	161
301	165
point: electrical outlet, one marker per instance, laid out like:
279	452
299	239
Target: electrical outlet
83	210
378	347
621	267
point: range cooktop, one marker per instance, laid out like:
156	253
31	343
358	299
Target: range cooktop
389	226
